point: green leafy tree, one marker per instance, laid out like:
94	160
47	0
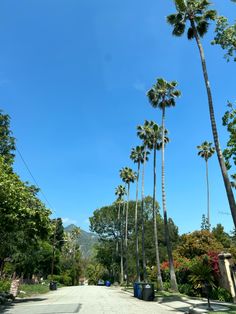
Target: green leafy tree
205	223
143	134
229	120
138	155
198	243
205	150
120	192
128	176
162	95
221	236
7	141
197	14
225	36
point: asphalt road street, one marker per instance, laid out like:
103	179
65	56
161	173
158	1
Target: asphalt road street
86	300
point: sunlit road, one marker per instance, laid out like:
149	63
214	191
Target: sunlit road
86	300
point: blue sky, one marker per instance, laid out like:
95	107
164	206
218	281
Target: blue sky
73	78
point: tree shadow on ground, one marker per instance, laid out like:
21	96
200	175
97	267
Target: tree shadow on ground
187	304
9	305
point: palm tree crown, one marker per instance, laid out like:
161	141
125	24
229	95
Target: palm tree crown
163	94
138	154
196	12
155	136
127	175
206	150
120	191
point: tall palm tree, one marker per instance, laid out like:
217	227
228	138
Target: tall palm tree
120	191
143	134
155	136
197	14
163	95
205	150
138	156
128	176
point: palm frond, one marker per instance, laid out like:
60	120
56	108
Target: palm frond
202	28
179	29
171	19
180	5
210	15
190	33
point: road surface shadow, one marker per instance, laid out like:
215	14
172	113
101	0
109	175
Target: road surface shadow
23	300
8	306
72	308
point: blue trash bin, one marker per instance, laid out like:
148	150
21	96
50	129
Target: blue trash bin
137	287
108	283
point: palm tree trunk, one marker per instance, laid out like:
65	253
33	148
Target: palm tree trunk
118	234
136	227
126	236
154	216
208	196
227	183
142	217
173	281
121	247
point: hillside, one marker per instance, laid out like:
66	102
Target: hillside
86	240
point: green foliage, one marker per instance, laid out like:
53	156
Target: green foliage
104	223
201	273
221	294
7	141
225	36
205	223
186	289
163	94
198	243
30	290
23	217
229	120
205	150
5	285
166	285
95	272
194	11
221	236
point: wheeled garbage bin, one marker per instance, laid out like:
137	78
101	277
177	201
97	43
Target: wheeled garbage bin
137	289
148	292
53	285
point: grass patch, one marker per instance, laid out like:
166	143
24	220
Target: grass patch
30	290
232	310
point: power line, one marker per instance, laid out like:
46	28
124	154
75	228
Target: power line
36	183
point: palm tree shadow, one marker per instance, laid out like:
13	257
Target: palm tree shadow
176	298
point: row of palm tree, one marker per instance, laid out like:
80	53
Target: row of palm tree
163	94
198	15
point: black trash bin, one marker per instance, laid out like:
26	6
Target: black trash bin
148	292
53	285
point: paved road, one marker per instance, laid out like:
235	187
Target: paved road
87	300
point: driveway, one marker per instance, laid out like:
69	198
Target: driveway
86	300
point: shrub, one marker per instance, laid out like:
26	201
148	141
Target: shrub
221	294
166	285
5	285
187	289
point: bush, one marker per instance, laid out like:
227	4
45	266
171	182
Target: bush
187	289
62	279
221	294
166	285
5	285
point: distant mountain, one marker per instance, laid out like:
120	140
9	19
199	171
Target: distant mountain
86	240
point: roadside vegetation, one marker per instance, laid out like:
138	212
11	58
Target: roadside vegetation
137	240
